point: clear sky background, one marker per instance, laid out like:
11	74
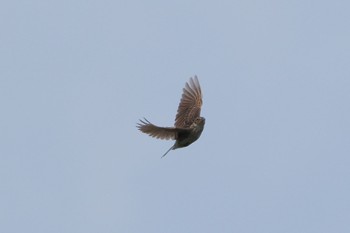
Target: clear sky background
75	77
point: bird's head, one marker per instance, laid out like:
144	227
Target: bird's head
199	121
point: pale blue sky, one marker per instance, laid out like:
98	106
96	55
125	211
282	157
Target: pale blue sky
75	77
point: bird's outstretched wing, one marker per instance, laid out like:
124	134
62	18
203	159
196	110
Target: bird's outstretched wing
160	132
190	104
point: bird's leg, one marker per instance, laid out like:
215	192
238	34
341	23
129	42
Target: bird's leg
171	148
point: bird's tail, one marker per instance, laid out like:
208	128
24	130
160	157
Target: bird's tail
171	148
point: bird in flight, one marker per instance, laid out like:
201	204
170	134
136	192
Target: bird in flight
188	125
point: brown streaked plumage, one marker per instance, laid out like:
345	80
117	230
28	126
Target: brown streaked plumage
188	122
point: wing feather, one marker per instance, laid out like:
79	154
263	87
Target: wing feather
190	104
160	132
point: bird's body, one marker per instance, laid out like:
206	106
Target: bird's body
188	122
